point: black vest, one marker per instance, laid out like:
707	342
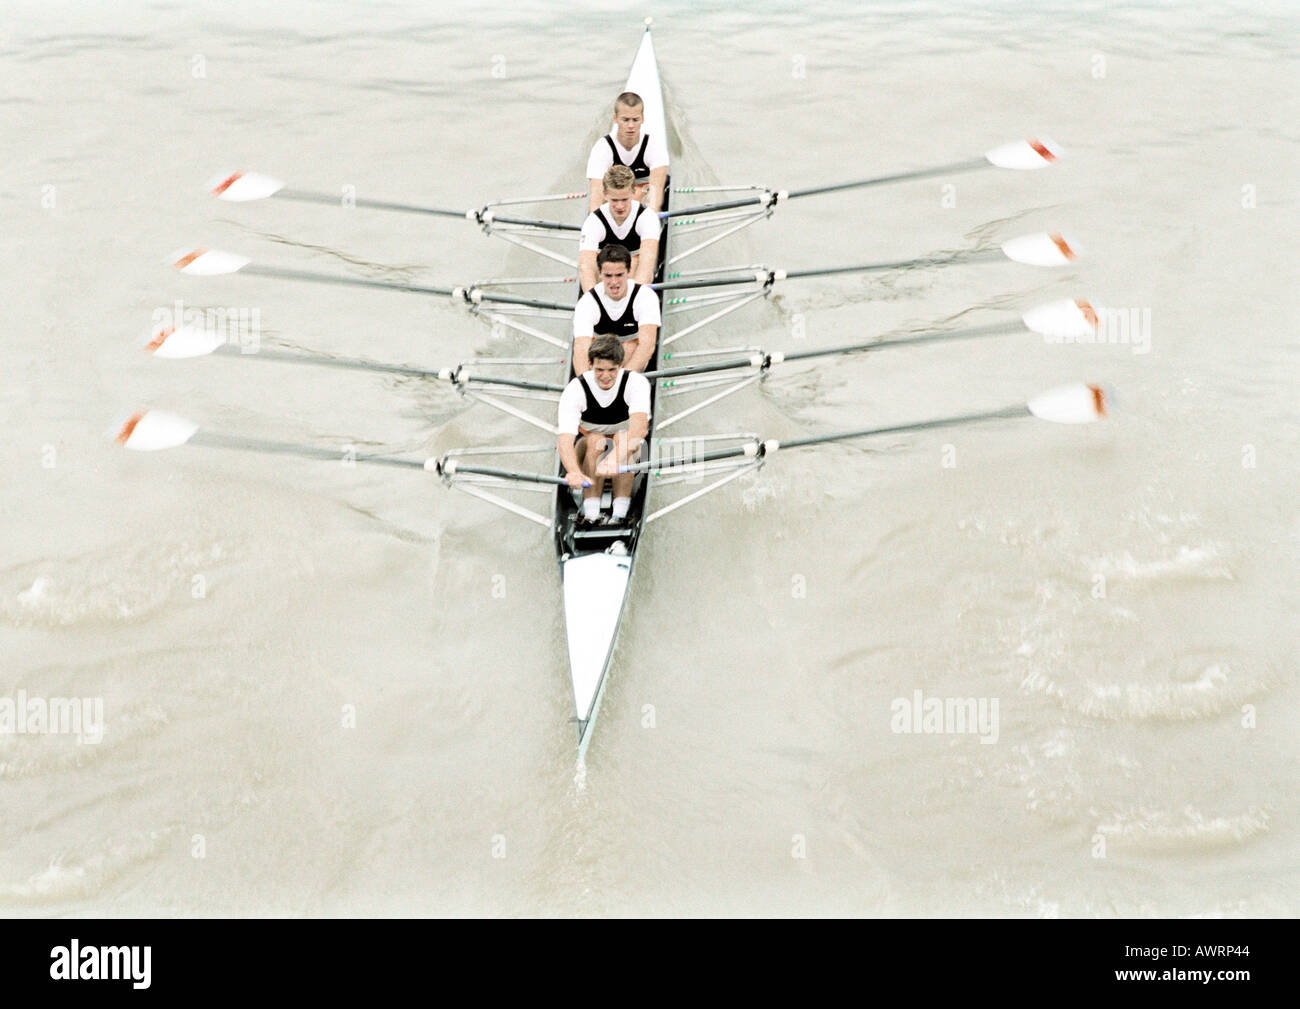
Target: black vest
640	170
617	411
625	326
632	242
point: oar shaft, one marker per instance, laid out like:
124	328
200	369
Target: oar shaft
924	425
348	363
356	364
952	259
823	439
974	164
306	196
282	273
215	440
327	199
936	336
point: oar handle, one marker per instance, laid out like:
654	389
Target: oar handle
449	468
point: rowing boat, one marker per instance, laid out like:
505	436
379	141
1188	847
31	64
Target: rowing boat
596	562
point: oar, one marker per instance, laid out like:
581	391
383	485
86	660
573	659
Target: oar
213	262
1038	249
1067	404
154	430
242	187
1063	320
192	341
1019	154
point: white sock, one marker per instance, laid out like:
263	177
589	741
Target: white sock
621	505
591	507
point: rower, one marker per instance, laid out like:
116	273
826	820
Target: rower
604	418
627	144
616	222
616	307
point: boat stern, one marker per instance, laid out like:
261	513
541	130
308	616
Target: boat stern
595	590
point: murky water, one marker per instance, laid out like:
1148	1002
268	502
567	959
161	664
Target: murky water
332	691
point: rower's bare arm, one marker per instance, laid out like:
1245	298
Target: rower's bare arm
637	428
595	195
587	275
658	179
580	363
646	259
645	348
569	460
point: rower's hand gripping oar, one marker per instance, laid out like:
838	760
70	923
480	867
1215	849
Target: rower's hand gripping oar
244	187
193	341
1019	155
155	430
214	263
1056	321
1037	249
1068	404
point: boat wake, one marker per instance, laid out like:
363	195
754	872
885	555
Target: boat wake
117	585
70	878
124	727
1187	830
1215	690
1201	562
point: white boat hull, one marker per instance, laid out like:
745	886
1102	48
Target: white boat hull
595	589
596	583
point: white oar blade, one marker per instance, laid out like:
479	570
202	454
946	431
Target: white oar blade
152	430
1063	320
1025	155
186	341
1042	249
208	262
1069	404
241	187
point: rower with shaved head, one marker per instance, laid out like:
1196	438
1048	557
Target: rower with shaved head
616	306
619	221
628	144
604	418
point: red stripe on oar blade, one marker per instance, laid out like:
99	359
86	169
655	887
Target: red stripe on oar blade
159	339
128	428
1064	246
1098	400
1041	150
185	261
1089	313
227	184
